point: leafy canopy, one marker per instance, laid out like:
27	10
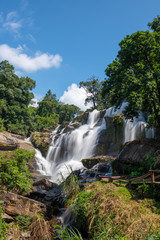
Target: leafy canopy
134	76
14	174
93	90
15	96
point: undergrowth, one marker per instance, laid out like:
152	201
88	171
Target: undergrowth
104	211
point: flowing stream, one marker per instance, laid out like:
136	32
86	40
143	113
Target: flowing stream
68	149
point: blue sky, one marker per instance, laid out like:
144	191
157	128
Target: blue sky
59	43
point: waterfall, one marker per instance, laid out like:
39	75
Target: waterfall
69	148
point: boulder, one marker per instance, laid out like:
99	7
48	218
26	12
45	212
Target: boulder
71	127
10	142
81	118
92	175
41	140
14	204
46	192
135	152
110	140
90	162
7	142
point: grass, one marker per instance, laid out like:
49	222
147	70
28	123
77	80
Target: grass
105	210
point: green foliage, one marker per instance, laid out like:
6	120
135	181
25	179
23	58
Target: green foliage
3	225
149	163
24	222
93	89
19	128
67	233
67	112
102	232
15	97
118	119
13	172
48	105
134	76
47	122
70	186
81	205
2	128
155	25
148	191
155	237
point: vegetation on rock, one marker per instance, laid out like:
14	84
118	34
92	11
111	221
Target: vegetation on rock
104	211
14	174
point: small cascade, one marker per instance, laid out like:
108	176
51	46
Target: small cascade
69	148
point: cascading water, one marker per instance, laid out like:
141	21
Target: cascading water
68	149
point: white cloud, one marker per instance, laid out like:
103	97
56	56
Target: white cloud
75	95
35	100
24	62
14	26
12	22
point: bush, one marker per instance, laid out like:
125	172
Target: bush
70	185
3	225
24	222
13	172
19	128
2	128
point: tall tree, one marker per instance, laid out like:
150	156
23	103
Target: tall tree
47	107
92	88
135	76
47	112
15	95
155	25
67	112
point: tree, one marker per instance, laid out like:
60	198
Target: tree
15	96
47	112
92	88
135	76
47	107
67	112
155	25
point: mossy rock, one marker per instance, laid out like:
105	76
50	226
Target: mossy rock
41	140
90	162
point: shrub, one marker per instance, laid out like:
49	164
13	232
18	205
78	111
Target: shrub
2	128
13	172
24	222
3	225
70	185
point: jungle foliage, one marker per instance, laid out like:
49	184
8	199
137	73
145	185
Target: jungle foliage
134	76
17	114
14	175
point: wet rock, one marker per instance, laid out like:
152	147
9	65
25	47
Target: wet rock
90	162
41	140
81	118
71	127
46	192
135	152
92	175
110	140
14	204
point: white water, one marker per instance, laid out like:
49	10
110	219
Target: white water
65	153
